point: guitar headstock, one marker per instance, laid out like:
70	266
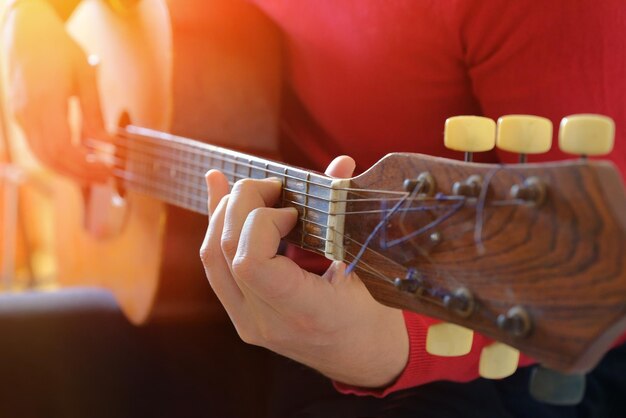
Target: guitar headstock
531	255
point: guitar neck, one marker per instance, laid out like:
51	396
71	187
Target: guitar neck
172	168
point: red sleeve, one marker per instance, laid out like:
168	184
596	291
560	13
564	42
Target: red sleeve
528	63
424	368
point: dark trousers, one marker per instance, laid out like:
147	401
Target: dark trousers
72	354
605	397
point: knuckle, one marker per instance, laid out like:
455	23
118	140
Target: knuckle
243	186
229	245
244	267
206	253
259	215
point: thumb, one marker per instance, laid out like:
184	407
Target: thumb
341	167
87	86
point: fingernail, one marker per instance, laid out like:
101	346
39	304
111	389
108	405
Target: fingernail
290	209
274	180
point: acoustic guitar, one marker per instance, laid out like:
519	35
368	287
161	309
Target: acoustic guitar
531	255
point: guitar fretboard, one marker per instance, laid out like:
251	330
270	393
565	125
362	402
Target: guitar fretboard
172	168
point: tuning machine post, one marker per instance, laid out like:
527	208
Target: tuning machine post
533	190
411	283
471	187
423	185
515	322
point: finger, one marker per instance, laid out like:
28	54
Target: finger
215	266
256	265
341	167
49	137
246	196
217	188
87	90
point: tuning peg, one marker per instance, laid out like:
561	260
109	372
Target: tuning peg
498	361
587	134
448	340
524	134
556	388
469	134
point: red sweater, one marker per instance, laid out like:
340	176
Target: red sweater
370	77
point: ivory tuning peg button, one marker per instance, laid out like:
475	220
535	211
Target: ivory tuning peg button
449	340
498	361
587	134
470	134
524	134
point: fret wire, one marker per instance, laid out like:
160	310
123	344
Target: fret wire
146	139
199	203
306	202
284	183
203	147
229	172
176	197
165	191
307	181
174	142
223	161
119	163
202	209
201	187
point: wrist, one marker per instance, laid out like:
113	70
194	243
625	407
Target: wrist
380	354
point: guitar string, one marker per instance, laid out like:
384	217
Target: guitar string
139	179
238	162
362	263
200	146
357	258
179	196
119	163
183	183
186	184
372	270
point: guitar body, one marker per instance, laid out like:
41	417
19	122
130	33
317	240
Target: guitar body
126	256
134	75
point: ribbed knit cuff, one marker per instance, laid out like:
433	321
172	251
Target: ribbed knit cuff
423	368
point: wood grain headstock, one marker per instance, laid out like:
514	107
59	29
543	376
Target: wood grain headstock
532	255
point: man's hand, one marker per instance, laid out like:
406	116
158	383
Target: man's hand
46	67
330	323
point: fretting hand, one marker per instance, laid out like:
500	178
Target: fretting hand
330	323
46	67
